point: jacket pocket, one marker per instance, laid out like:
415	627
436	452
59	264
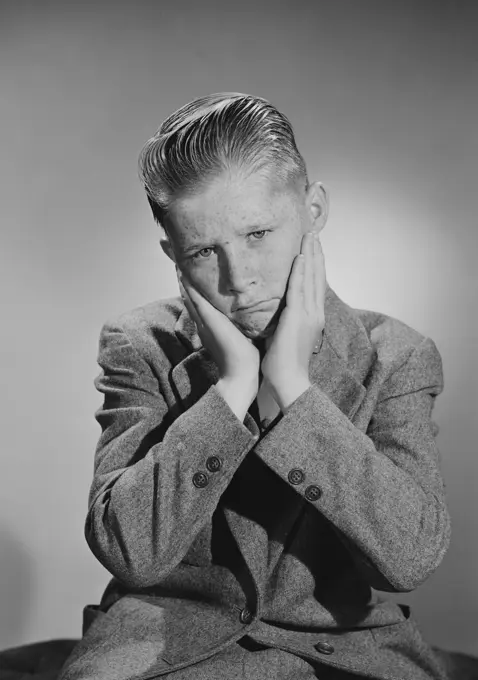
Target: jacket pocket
124	643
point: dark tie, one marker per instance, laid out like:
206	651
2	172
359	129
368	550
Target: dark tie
254	407
254	411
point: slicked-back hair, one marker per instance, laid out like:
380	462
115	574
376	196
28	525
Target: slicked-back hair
213	134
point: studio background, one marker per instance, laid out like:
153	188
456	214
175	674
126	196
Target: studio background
383	99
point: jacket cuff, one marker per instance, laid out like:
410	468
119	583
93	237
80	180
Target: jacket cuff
218	434
310	446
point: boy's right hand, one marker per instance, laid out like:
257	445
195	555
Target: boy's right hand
236	356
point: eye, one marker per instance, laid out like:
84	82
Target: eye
197	256
261	231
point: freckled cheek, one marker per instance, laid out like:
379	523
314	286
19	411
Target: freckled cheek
204	278
277	271
271	273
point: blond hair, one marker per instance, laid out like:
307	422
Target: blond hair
212	134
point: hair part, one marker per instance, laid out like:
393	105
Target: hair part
213	134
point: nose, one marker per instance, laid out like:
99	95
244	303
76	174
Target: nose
238	271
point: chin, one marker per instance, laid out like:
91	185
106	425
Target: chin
257	330
258	335
259	325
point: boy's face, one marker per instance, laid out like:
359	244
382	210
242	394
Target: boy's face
236	240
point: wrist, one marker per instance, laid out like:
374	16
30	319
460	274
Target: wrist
288	392
244	384
238	393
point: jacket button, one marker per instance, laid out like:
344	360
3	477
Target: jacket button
296	476
200	479
313	493
246	615
213	463
324	648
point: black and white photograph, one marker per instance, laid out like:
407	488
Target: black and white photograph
239	340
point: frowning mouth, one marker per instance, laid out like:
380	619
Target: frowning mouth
255	307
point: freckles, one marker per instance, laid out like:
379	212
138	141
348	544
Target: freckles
206	282
271	273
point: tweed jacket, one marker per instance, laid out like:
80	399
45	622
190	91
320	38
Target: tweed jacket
290	530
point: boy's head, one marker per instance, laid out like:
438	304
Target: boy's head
228	186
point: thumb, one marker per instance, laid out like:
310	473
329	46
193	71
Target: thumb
188	301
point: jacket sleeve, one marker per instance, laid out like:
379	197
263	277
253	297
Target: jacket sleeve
147	502
382	491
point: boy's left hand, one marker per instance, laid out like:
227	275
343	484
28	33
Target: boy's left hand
286	362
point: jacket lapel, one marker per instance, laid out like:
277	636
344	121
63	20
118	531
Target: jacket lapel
342	362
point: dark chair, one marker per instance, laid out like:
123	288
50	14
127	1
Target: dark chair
43	661
37	661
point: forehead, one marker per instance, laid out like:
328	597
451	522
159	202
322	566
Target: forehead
232	202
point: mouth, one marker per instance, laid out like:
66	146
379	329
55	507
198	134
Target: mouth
255	307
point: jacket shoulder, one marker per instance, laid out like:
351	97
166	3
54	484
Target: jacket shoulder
394	341
384	330
162	313
149	326
410	360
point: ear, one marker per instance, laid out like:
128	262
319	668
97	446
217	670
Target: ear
317	203
167	248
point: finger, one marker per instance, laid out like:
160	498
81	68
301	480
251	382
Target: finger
190	291
182	289
309	292
303	245
295	284
206	313
316	273
190	300
320	274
